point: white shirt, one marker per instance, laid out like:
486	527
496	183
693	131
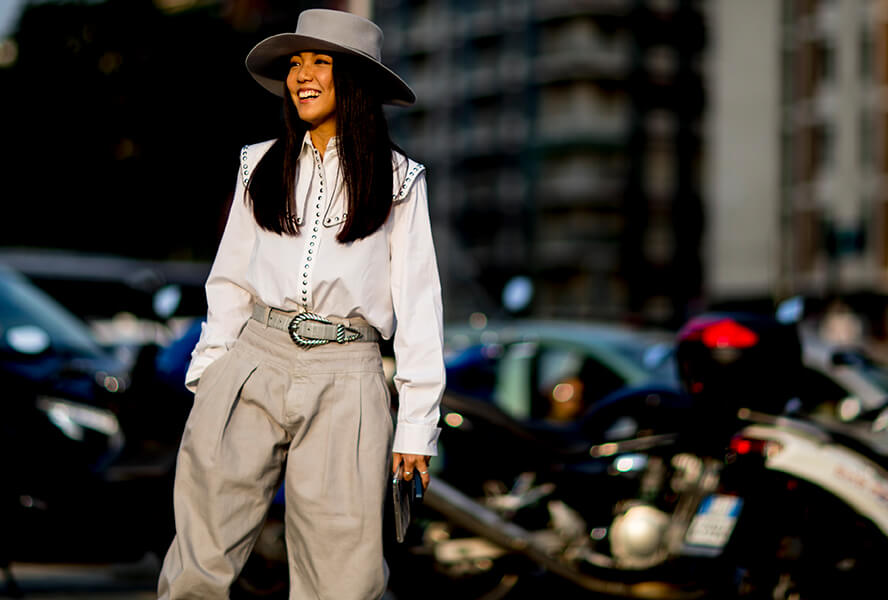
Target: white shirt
390	278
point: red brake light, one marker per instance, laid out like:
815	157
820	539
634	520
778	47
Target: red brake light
741	446
744	445
729	334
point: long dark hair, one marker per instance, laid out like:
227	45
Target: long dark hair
365	154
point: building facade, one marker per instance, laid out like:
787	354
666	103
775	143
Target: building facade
833	146
563	144
797	130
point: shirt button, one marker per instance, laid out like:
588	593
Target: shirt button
311	243
306	266
308	258
305	282
318	215
315	229
310	251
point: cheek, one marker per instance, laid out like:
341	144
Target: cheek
292	83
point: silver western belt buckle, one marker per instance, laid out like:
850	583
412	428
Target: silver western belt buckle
344	334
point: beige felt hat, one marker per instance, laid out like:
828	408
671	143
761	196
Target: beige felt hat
328	31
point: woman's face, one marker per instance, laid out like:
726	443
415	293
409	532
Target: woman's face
310	83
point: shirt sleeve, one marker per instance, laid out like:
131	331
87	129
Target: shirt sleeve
419	339
229	296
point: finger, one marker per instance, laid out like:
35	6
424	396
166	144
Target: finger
421	468
409	466
396	461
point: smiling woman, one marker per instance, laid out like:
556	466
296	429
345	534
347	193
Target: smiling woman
327	249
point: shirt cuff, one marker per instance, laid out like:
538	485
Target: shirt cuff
416	439
195	369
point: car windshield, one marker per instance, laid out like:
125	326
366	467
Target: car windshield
655	357
23	304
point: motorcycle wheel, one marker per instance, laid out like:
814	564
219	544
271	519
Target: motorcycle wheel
808	545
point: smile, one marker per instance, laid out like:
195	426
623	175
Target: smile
308	94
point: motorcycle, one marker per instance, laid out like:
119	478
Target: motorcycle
732	487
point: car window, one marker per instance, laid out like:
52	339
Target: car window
514	383
599	380
21	303
654	357
472	371
560	389
549	382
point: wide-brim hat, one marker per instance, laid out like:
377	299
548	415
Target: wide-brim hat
325	30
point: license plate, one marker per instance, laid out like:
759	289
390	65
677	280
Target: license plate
714	522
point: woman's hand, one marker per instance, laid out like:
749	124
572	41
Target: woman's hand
413	464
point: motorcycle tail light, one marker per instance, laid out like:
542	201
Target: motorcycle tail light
729	334
745	445
719	333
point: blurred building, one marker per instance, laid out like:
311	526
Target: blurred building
563	143
799	149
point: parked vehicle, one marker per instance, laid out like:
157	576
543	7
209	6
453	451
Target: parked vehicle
68	493
851	383
554	371
729	489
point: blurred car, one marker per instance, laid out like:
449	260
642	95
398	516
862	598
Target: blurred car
66	495
520	366
554	371
44	349
844	382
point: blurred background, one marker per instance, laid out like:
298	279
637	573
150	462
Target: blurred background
632	162
626	160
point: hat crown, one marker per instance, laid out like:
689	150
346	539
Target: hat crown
342	28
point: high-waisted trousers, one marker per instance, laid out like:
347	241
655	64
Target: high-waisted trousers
268	409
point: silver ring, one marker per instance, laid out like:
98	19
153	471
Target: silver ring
424	472
407	472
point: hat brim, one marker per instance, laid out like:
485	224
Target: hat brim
264	64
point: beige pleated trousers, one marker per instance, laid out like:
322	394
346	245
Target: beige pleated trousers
268	408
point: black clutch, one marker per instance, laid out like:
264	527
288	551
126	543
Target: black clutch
405	495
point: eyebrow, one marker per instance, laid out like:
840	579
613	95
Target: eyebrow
297	57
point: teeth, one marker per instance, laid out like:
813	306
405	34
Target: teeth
309	93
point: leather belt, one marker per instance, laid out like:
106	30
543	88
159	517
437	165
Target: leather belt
308	329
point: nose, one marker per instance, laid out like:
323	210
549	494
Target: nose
304	73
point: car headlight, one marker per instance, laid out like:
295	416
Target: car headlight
72	418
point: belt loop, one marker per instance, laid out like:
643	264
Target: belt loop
266	313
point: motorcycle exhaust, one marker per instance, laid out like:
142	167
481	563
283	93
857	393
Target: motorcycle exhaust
477	518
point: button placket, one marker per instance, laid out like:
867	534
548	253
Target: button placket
313	241
245	166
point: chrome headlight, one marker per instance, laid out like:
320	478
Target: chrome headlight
72	418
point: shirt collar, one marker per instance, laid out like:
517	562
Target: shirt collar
307	146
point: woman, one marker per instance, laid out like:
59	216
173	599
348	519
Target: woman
327	248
